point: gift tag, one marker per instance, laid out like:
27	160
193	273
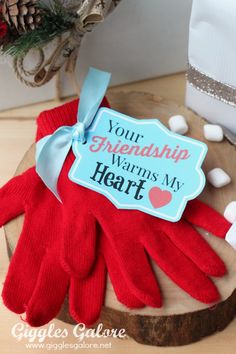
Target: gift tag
139	164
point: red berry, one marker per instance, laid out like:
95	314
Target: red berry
3	29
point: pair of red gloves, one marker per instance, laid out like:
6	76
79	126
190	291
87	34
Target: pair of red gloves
71	246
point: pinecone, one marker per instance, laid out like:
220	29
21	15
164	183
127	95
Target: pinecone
24	15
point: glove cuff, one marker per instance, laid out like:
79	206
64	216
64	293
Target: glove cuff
66	114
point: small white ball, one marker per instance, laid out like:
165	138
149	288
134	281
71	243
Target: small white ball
230	212
213	132
178	124
218	177
230	236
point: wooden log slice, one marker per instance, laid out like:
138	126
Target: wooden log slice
182	319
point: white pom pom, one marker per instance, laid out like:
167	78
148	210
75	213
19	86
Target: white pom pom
178	124
213	132
231	236
218	177
230	212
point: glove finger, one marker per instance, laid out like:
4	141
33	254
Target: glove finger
202	215
86	296
123	232
194	246
122	291
137	271
49	293
180	269
12	196
79	244
24	267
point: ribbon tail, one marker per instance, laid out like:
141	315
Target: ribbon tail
39	146
92	94
51	153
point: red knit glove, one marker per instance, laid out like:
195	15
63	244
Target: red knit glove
36	282
177	248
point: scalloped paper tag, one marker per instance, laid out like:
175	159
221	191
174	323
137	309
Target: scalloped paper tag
139	164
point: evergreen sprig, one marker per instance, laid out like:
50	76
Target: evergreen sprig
55	20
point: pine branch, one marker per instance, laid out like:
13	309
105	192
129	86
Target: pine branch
56	20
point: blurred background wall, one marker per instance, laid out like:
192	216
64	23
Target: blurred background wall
139	40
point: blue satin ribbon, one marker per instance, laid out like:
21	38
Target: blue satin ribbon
52	150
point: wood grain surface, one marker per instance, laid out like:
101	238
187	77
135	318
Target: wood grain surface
182	319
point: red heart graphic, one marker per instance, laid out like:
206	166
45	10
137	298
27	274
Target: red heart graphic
159	198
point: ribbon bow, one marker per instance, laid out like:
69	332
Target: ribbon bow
52	150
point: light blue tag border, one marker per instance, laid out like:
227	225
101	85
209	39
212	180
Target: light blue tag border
148	121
